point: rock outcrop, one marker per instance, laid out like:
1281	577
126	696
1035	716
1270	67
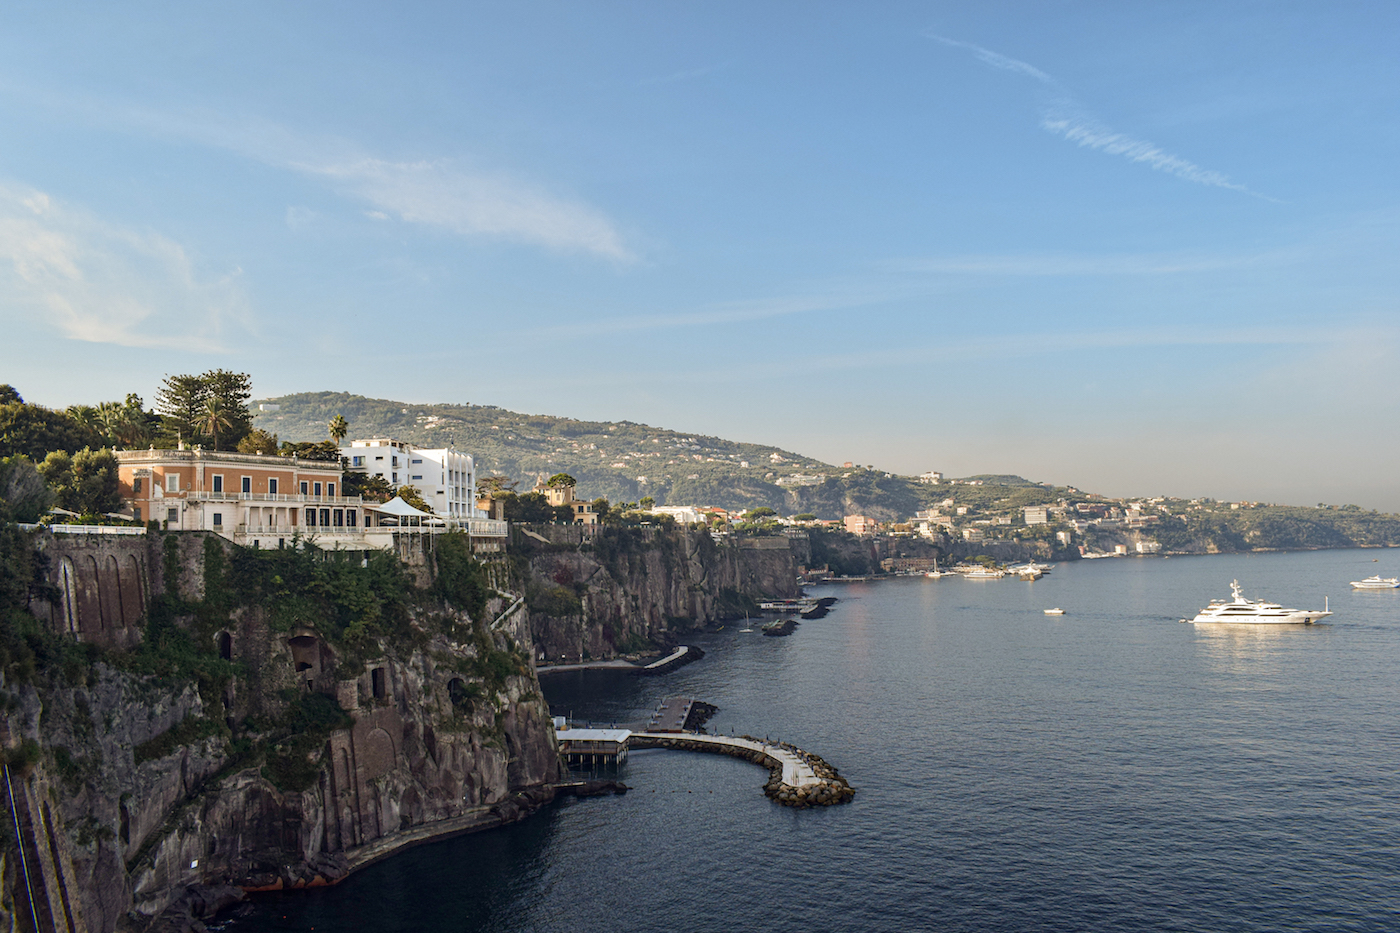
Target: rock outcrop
285	718
602	591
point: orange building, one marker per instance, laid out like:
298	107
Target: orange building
252	499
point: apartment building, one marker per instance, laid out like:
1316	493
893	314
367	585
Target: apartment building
444	477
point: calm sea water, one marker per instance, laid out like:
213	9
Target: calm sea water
1109	769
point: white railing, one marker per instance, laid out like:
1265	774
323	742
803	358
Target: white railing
486	527
306	531
87	529
207	495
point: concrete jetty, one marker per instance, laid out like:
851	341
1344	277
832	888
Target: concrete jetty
795	778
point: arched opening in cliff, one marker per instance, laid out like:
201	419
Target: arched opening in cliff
225	643
379	683
306	656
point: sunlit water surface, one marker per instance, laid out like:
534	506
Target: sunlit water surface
1109	769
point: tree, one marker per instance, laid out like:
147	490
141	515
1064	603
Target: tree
24	489
561	479
183	404
259	441
9	395
601	508
411	495
311	450
495	485
532	507
180	401
214	419
339	427
34	430
762	511
374	488
86	482
647	503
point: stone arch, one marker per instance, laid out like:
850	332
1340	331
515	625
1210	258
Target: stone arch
68	593
224	642
109	591
306	655
377	756
133	592
89	603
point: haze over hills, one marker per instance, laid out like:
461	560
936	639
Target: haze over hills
622	460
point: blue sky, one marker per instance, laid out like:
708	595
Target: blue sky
1142	248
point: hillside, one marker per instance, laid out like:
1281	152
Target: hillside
623	460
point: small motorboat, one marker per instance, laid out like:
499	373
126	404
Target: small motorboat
1054	612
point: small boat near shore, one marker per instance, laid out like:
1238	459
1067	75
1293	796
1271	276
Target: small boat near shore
1055	612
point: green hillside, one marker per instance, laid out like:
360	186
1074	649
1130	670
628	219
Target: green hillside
624	461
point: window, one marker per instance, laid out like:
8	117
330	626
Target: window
172	515
272	486
378	683
136	486
379	458
417	461
318	489
172	482
311	518
325	517
247	484
416	476
396	478
303	487
136	513
349	517
339	516
330	489
357	461
218	519
396	461
218	482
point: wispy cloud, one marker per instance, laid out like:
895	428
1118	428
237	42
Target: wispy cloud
101	283
1076	264
1067	118
446	193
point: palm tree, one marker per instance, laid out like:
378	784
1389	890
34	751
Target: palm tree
339	427
214	417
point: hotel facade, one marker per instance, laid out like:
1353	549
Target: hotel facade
252	499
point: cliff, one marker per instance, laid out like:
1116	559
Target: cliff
600	591
184	716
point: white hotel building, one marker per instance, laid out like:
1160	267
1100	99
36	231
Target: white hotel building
445	478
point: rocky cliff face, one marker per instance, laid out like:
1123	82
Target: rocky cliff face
303	714
600	592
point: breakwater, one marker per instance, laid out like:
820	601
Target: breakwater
796	778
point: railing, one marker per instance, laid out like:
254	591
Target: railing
485	527
134	456
87	529
305	531
207	495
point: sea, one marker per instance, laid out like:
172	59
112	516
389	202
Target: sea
1107	769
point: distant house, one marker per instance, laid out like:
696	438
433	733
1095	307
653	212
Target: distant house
564	495
1036	515
683	514
861	525
932	478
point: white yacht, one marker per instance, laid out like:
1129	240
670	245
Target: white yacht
1376	583
984	573
1255	612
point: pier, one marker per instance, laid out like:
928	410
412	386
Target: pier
796	778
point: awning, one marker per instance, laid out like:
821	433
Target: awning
397	508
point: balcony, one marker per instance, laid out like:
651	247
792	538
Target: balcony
287	531
204	495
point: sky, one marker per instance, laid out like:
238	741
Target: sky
1140	248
